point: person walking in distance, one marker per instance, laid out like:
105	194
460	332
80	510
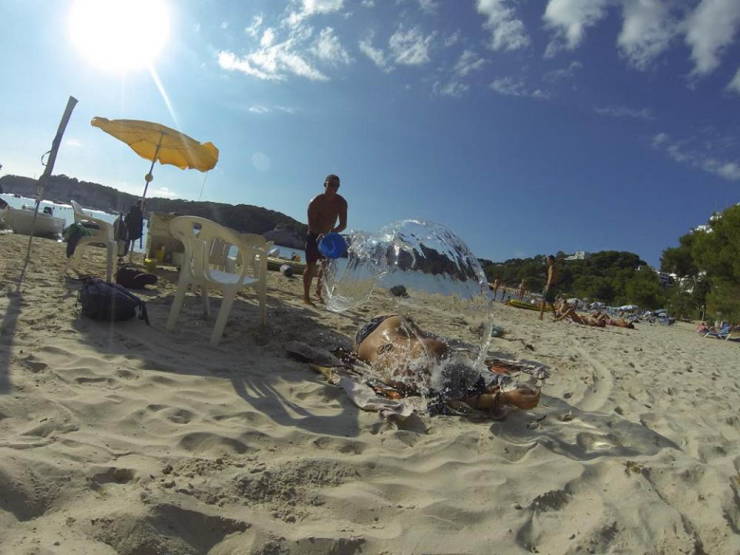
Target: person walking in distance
323	212
549	294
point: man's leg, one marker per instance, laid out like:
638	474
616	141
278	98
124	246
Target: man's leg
319	279
307	278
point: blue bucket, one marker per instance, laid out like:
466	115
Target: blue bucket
333	245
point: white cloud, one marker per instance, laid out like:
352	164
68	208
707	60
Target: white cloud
564	73
625	112
268	37
368	3
274	62
734	85
507	31
377	55
410	47
648	27
569	19
451	88
728	170
709	30
321	6
429	6
313	7
72	142
684	153
515	87
452	39
262	109
328	48
647	30
254	28
468	62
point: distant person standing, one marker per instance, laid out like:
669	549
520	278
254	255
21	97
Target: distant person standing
323	212
495	287
522	289
134	221
549	293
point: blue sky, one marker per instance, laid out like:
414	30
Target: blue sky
526	126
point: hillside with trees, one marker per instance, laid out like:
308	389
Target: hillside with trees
242	217
612	277
707	263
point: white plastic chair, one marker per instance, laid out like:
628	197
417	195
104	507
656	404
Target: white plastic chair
206	245
102	235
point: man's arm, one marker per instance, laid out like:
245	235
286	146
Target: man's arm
342	218
313	215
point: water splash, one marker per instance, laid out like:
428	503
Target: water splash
418	266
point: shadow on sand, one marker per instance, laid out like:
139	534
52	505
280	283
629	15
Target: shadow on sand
244	348
7	335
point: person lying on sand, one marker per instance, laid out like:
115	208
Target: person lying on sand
567	311
404	354
702	328
619	322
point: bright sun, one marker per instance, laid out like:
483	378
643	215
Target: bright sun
119	34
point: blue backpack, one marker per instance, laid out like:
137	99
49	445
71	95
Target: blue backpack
110	302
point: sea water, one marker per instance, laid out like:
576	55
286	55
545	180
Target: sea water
419	266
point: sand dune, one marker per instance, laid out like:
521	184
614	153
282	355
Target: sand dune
128	439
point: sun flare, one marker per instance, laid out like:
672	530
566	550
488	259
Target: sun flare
119	34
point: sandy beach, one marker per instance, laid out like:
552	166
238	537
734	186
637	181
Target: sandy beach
124	438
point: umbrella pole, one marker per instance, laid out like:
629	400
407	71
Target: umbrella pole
149	177
71	103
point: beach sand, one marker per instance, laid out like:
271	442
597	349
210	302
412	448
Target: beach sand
125	438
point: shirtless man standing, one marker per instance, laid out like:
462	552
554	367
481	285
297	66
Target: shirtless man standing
549	294
323	212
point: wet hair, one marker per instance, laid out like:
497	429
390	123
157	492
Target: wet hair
330	178
550	257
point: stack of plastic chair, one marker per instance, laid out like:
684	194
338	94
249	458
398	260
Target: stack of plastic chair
203	266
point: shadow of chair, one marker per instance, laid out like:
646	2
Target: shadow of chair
209	264
103	234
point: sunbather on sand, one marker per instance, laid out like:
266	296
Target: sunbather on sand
404	354
567	311
702	328
619	322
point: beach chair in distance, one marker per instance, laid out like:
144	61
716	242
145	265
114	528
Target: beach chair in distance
104	234
723	333
201	237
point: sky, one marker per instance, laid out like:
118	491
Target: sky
526	126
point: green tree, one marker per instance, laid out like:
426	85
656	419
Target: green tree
723	301
644	289
679	260
717	250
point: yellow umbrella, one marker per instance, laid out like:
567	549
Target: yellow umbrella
156	142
